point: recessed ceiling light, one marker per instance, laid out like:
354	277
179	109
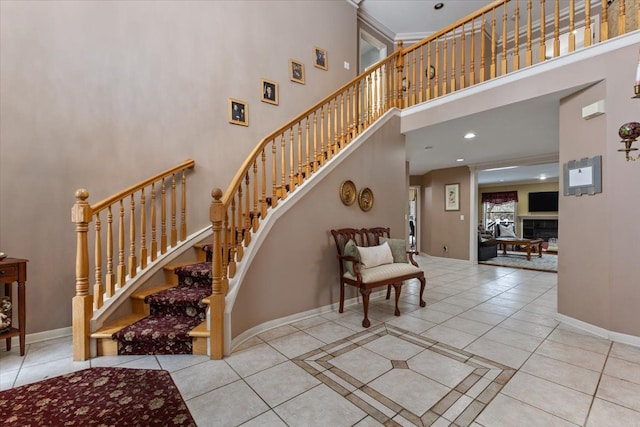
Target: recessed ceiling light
459	160
469	135
438	6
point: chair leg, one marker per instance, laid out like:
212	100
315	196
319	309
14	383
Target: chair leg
341	298
423	283
388	291
365	304
398	288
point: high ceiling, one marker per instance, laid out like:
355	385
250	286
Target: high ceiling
411	20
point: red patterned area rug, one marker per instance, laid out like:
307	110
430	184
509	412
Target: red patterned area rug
97	397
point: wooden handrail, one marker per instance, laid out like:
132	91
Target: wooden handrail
187	164
255	153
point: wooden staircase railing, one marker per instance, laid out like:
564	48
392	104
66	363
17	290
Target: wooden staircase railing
140	204
484	45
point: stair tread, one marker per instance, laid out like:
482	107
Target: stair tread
141	294
200	331
175	265
108	330
176	326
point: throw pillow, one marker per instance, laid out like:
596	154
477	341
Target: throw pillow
350	249
374	256
506	231
398	249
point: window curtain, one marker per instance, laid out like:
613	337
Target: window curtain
500	197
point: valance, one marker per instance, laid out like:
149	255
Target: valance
500	197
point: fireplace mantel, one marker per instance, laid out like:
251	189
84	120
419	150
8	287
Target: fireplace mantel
521	217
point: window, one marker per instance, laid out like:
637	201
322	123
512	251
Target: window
499	207
499	212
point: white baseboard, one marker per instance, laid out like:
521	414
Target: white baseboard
263	327
42	336
601	332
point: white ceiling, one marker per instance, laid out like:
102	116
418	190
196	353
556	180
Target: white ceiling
505	136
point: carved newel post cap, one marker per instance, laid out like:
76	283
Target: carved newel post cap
216	193
82	194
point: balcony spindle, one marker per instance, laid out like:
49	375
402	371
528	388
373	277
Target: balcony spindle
556	29
121	270
453	81
572	17
516	38
543	25
263	204
505	53
154	242
472	65
133	263
98	291
163	217
183	207
494	41
483	27
110	278
463	75
622	18
246	226
529	54
587	22
256	217
174	229
143	228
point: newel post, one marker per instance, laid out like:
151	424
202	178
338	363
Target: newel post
399	69
82	303
219	286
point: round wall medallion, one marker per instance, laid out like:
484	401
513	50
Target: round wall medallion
365	199
431	72
348	192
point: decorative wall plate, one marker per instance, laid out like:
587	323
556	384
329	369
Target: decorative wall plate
348	192
365	199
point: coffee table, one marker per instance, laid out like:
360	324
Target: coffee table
527	243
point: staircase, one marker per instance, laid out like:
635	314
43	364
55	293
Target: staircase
168	318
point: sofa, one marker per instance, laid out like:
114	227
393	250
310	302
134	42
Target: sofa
487	247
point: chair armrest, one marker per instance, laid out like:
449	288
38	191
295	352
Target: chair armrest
410	255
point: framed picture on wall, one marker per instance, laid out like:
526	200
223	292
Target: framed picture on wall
238	112
296	71
452	197
320	59
269	92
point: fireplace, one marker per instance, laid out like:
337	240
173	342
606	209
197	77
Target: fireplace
539	227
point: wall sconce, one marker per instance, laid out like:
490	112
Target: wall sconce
629	132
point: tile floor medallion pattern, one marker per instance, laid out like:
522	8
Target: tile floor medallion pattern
455	389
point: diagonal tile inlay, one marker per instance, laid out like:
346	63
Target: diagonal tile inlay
426	383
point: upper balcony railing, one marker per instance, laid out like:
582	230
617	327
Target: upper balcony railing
498	39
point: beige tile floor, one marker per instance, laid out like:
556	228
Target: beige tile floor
485	351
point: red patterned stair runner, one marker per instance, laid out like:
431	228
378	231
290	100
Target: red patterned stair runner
174	313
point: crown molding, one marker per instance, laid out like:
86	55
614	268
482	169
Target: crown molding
375	24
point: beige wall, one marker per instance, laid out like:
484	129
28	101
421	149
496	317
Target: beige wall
296	269
101	94
437	227
600	234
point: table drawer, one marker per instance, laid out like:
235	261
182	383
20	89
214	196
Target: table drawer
8	273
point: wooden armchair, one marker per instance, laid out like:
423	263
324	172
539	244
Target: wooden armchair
354	273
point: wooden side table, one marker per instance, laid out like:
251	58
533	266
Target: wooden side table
15	270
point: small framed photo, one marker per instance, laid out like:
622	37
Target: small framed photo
269	92
320	59
296	71
238	112
452	197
